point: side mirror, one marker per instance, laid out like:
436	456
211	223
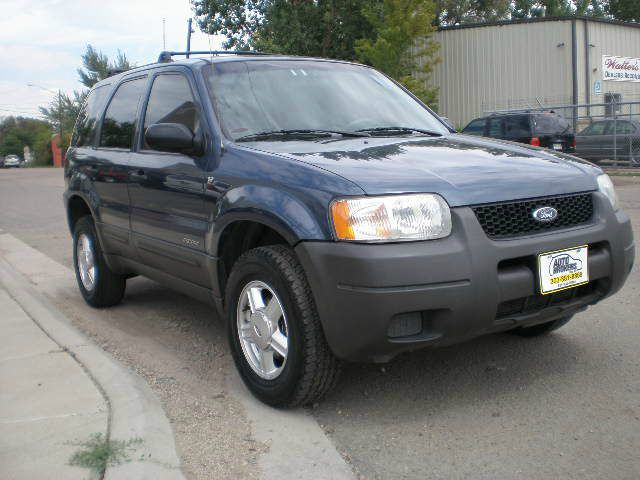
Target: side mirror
172	137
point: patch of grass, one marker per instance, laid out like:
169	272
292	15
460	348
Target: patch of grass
97	453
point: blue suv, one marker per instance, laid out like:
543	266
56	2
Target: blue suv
329	215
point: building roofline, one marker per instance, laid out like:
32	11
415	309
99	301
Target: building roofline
518	21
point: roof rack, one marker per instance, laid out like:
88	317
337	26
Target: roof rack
165	57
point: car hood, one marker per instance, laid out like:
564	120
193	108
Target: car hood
465	170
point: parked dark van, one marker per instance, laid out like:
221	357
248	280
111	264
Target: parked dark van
547	129
329	216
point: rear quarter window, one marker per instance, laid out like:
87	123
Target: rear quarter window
550	124
84	134
517	126
120	118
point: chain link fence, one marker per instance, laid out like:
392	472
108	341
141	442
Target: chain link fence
606	133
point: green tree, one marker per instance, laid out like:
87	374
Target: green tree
342	29
325	28
452	12
96	66
399	26
63	110
18	132
625	10
558	8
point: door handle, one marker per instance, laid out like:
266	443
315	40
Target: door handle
217	185
138	174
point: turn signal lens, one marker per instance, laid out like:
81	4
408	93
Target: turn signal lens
535	141
393	218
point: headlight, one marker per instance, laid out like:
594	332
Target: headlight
605	185
391	218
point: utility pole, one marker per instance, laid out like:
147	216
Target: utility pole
189	32
60	125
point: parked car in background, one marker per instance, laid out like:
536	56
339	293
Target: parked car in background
609	139
540	129
12	161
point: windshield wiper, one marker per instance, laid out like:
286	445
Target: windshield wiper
299	132
399	131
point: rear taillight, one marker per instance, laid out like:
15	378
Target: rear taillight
573	143
535	141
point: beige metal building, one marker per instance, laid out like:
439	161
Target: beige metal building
536	62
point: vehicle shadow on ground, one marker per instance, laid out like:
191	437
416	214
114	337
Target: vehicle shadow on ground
478	371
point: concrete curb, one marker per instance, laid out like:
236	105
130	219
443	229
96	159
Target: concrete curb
135	412
298	448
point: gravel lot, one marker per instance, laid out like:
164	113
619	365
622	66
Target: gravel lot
499	407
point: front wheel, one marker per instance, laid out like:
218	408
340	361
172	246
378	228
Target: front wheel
275	334
100	287
542	328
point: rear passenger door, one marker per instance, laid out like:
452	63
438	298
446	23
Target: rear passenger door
167	189
109	165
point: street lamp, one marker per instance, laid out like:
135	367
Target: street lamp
59	94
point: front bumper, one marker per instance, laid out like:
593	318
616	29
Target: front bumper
378	300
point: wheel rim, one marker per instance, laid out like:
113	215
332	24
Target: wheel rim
262	329
86	262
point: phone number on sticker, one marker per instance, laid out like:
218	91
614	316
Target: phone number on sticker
566	278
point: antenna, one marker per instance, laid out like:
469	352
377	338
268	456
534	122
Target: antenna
164	34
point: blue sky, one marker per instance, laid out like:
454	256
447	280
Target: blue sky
41	42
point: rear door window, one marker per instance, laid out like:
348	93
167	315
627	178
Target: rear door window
475	127
88	118
120	118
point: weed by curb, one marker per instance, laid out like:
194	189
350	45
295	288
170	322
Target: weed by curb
99	452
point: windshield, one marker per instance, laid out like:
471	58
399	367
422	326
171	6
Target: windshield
255	97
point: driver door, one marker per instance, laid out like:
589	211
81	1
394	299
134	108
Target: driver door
166	189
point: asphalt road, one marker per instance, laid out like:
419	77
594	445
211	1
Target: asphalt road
500	407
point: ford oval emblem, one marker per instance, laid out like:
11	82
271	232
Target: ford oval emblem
545	214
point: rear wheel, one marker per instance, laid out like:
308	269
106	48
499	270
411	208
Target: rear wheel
275	334
542	328
99	286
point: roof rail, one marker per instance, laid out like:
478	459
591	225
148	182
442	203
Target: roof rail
116	71
165	57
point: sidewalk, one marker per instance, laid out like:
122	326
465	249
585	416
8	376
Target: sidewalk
58	390
47	401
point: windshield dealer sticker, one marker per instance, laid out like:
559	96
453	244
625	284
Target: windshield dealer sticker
563	269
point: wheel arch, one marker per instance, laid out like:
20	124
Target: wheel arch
77	207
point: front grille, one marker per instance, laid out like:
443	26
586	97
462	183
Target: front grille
511	219
535	303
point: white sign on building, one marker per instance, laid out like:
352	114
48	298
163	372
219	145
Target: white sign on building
620	69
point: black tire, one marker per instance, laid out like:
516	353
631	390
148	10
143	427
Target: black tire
108	289
311	370
542	328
